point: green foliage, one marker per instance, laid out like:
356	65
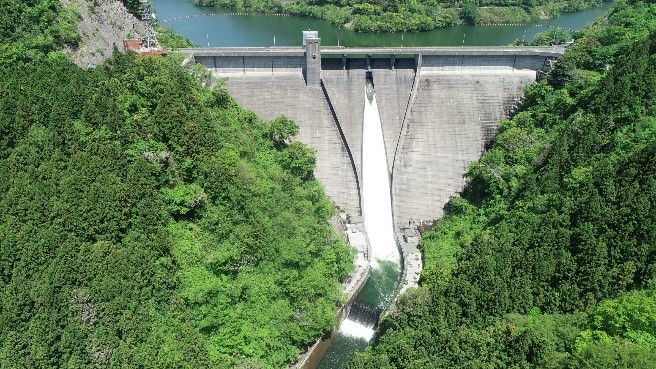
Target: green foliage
615	355
533	266
133	6
299	160
469	13
31	29
507	15
551	37
167	38
183	198
281	131
562	73
632	317
264	6
149	222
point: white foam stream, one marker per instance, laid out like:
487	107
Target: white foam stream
376	204
354	329
376	198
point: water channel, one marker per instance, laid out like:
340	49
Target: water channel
260	30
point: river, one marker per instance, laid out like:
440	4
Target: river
270	30
267	30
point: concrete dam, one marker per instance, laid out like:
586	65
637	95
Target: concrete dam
439	108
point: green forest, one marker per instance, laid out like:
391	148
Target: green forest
411	15
548	258
147	221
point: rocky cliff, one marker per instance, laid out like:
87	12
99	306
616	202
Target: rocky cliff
102	24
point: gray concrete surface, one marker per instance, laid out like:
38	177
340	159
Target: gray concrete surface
275	94
392	89
313	61
240	64
346	92
454	114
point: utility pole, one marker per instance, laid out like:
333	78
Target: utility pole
147	16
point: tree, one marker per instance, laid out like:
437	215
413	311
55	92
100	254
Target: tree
281	131
551	37
299	160
469	13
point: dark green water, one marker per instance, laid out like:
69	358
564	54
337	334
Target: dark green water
378	290
260	30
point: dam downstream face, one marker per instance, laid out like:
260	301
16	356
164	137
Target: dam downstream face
358	328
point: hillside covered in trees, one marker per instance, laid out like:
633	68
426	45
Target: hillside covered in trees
410	16
147	221
548	259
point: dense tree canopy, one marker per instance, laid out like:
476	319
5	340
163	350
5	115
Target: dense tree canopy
31	28
534	264
149	222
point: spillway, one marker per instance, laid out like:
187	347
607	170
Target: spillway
358	328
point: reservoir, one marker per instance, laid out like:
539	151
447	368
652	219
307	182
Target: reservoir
222	30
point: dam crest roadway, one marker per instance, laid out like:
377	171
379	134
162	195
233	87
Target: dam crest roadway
439	108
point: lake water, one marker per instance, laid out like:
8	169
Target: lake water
265	30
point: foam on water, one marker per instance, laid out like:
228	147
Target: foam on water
356	330
376	197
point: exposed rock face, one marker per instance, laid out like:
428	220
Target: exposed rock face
103	24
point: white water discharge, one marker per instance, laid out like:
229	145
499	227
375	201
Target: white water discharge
376	198
356	330
376	206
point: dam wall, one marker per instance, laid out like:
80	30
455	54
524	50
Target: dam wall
345	89
393	89
482	62
439	108
243	64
